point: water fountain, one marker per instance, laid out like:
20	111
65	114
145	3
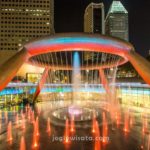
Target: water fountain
32	117
105	128
144	124
97	137
17	120
94	123
23	126
37	126
6	117
9	133
76	77
35	137
74	102
22	144
48	130
126	122
72	125
66	134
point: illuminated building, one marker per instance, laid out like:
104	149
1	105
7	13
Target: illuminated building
116	22
24	20
33	77
94	21
94	18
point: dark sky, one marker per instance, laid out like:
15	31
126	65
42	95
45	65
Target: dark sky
69	18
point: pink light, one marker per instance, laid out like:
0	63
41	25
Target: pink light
72	124
73	110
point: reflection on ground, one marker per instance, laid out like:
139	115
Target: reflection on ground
126	129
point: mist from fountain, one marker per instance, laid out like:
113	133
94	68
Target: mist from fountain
75	109
76	76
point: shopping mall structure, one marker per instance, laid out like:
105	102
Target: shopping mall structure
36	53
72	99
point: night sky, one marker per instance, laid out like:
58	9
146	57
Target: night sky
69	18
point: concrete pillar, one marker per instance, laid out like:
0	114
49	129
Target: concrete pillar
104	80
141	65
40	84
9	69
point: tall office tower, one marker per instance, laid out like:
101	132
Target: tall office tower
94	18
94	21
116	23
24	20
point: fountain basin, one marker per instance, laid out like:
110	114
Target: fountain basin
80	114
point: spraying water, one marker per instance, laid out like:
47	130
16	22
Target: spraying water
76	76
22	144
9	133
66	135
48	127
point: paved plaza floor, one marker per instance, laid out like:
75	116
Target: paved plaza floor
23	122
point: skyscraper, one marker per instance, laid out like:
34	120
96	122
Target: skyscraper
94	18
24	20
116	23
94	21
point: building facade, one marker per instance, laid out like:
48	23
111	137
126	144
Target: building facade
116	22
94	18
24	20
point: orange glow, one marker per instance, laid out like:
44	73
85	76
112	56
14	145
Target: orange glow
72	124
9	133
104	80
27	68
37	126
126	122
35	138
117	119
66	136
22	144
142	147
145	124
105	128
97	136
48	127
131	121
94	123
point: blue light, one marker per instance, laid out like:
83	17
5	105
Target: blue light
10	91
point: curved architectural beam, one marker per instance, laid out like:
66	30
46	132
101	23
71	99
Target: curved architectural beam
141	65
63	42
104	80
79	42
40	84
9	69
